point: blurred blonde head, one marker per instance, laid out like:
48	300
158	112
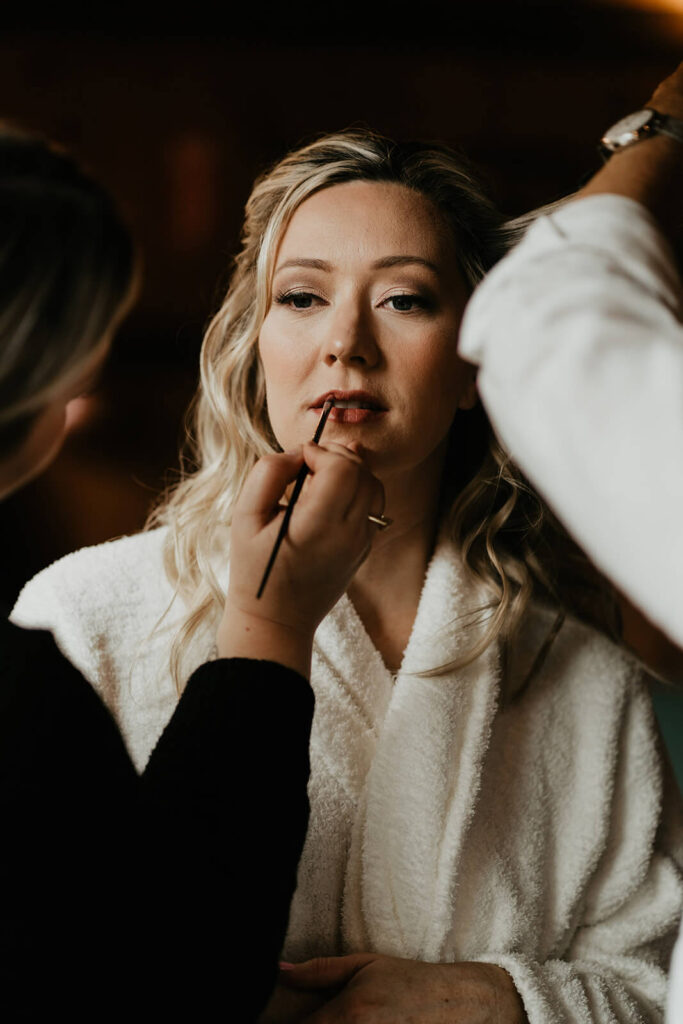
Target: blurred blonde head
66	276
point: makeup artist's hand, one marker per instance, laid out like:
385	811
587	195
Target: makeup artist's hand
328	537
373	989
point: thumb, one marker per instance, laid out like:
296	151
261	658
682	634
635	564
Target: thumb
324	971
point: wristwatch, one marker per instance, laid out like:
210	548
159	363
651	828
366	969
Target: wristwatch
643	124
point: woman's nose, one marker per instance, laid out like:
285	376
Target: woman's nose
351	341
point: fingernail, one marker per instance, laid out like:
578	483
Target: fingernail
284	965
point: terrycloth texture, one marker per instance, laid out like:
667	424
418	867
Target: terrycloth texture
443	827
103	604
674	1007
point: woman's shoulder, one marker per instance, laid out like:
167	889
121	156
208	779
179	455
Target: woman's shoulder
558	651
585	703
124	571
99	600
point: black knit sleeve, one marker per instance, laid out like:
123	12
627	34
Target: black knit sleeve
226	788
68	804
169	891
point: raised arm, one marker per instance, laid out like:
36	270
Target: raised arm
579	340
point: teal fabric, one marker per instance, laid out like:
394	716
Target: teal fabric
668	704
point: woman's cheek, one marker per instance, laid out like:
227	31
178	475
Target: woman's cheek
281	403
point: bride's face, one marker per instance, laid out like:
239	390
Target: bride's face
366	304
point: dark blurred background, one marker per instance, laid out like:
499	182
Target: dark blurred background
177	114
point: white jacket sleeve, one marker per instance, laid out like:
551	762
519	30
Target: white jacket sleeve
579	339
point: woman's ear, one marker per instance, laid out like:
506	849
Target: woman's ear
470	395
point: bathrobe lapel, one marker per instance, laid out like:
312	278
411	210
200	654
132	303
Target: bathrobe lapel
422	785
395	768
352	689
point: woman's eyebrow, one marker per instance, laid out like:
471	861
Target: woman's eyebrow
304	261
381	264
398	261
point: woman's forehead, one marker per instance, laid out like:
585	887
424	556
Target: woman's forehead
366	221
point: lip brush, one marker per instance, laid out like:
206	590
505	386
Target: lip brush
298	484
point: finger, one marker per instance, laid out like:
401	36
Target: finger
266	484
334	447
335	480
333	1011
369	499
324	971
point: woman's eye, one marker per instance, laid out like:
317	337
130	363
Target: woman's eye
297	300
406	303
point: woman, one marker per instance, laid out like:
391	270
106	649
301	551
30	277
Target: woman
479	835
93	910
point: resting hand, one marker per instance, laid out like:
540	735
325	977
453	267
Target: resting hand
328	537
373	989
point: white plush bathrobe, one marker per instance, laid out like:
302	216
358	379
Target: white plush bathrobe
446	823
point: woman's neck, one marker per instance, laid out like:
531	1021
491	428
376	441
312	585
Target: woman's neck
386	589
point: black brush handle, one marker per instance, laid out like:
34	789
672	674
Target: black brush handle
298	484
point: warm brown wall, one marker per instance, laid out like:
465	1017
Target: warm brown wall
178	126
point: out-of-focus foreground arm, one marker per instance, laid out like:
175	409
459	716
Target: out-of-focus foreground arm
579	338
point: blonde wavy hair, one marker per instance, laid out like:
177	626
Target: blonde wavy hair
508	539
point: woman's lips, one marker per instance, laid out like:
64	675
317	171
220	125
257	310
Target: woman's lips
354	414
353	410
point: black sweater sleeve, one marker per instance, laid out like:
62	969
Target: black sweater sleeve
123	890
226	787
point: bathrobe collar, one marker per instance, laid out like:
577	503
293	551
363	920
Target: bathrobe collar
395	769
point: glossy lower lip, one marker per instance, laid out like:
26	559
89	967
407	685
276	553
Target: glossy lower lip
355	415
350	416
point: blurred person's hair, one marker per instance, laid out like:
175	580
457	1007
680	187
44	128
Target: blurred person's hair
66	275
509	540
